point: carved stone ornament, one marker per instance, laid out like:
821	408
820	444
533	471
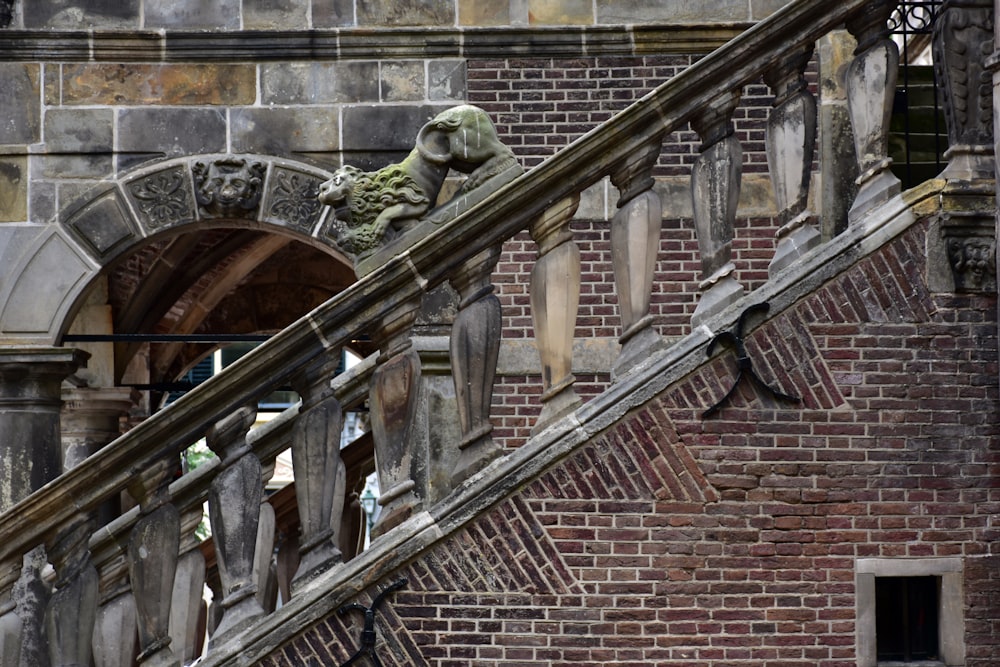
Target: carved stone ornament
963	40
228	188
373	208
293	199
973	263
162	198
961	256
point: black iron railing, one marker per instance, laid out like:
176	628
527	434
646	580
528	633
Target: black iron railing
919	136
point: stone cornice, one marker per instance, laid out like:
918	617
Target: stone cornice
361	43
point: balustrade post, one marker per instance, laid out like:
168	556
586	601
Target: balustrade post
189	585
555	300
153	550
319	471
635	244
715	189
963	39
475	347
234	508
11	626
791	141
72	609
115	629
393	403
264	574
871	87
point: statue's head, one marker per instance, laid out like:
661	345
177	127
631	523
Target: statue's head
337	190
228	187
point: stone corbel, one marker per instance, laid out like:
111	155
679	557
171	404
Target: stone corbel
961	256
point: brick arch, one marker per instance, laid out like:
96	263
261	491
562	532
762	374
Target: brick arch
52	266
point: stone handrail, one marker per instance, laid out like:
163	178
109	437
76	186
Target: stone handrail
464	249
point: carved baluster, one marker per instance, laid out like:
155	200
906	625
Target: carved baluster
555	299
963	39
791	142
715	188
152	551
264	570
72	609
635	243
319	471
393	402
871	86
234	507
115	635
189	585
11	633
475	346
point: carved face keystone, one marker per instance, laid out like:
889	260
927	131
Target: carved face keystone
228	188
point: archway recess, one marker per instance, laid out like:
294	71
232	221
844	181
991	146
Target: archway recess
172	203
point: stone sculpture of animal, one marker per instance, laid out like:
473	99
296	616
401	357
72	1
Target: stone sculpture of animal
375	207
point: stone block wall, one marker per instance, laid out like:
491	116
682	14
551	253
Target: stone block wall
733	540
301	14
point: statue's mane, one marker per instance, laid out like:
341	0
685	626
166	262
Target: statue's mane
372	192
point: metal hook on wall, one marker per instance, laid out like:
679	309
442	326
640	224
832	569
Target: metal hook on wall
368	635
744	364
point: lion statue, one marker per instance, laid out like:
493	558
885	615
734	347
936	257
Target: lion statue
376	207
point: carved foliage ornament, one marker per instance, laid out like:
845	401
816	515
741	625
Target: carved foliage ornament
163	198
229	188
963	39
293	199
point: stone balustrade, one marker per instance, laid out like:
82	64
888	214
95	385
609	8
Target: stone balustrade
386	301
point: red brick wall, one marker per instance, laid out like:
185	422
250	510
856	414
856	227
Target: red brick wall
674	539
540	106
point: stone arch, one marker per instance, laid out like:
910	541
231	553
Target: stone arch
51	266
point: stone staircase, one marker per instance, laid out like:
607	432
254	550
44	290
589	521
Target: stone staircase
499	497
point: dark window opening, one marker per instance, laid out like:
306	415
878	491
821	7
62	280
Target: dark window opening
906	618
